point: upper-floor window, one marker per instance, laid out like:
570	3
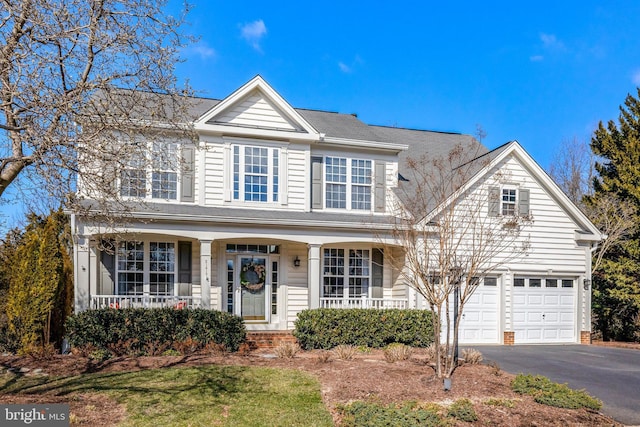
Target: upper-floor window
152	173
508	201
133	179
164	175
348	183
255	173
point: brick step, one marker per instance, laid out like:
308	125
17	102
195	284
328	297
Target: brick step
268	339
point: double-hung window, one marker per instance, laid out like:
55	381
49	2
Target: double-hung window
164	175
508	207
130	268
133	179
347	183
153	173
146	268
255	173
346	273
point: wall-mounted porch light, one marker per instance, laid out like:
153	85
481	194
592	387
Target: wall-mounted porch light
296	262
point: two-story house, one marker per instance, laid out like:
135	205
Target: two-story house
276	209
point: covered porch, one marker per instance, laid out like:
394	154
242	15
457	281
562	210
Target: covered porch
266	281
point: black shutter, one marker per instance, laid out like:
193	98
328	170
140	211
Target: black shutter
377	273
316	183
107	269
380	188
523	202
187	179
184	268
494	201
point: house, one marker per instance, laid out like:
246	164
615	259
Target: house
278	209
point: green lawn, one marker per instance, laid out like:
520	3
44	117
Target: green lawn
211	395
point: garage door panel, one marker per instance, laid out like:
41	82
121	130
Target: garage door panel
519	299
552	299
479	323
534	316
544	314
566	300
535	300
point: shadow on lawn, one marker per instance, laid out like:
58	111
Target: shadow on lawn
208	381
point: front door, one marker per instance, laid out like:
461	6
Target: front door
253	287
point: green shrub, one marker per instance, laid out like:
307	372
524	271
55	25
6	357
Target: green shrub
547	392
368	414
136	331
462	409
326	328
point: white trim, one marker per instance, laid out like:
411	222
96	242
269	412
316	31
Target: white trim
349	142
257	83
515	149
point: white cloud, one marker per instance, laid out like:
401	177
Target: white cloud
635	78
344	67
203	50
253	32
350	68
536	58
550	41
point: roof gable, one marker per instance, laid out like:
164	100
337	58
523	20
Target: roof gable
255	106
513	148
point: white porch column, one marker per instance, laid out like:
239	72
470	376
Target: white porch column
205	273
314	275
82	273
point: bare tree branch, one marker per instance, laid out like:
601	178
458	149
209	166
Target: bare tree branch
449	240
75	78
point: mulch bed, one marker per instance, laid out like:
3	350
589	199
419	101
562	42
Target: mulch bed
366	377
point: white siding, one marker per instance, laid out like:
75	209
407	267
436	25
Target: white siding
553	245
299	178
255	111
298	289
214	168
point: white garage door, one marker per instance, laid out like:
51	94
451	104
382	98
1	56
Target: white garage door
479	323
544	310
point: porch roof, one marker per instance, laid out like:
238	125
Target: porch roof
174	212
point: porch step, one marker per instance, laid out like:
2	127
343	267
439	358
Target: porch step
261	340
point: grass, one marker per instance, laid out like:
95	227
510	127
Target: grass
196	396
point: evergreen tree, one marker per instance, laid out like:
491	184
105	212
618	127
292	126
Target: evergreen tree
40	282
616	286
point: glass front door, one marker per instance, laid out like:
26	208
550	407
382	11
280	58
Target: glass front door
253	282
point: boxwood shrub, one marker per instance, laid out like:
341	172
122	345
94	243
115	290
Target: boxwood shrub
141	327
326	328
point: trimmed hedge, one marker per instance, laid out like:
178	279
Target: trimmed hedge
326	328
139	327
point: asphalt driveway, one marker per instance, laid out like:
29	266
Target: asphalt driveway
610	374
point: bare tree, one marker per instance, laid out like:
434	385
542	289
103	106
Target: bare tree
615	218
76	78
451	238
572	168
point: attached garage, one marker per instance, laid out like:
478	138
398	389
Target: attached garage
480	317
544	310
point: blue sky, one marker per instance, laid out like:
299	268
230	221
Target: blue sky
538	72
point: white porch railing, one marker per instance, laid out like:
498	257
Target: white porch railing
143	301
364	302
